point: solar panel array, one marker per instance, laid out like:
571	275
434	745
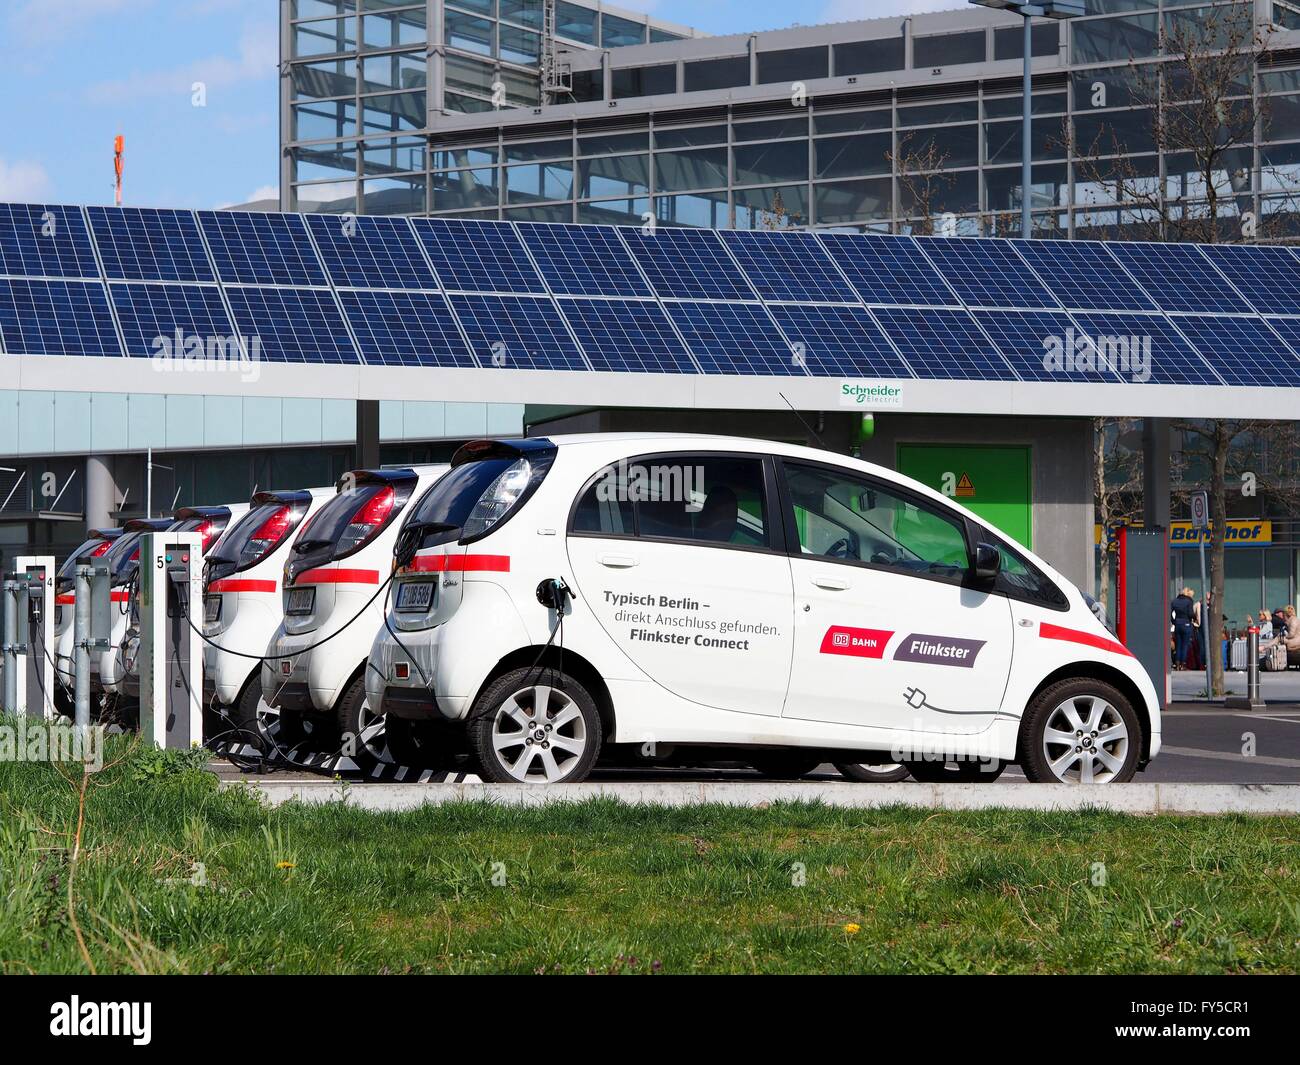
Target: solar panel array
322	289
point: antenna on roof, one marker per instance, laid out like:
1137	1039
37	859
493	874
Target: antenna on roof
811	431
119	146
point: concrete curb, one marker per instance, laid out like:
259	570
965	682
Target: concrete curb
1260	799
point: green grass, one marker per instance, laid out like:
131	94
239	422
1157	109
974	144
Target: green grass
598	886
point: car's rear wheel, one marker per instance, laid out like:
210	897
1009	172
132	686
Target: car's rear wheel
963	771
360	729
863	773
535	728
1081	731
783	765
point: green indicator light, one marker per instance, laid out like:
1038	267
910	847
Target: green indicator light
169	558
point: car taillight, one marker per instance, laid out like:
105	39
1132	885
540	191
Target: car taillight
499	499
207	531
268	535
368	520
101	549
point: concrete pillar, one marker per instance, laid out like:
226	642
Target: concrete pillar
1155	472
101	491
367	433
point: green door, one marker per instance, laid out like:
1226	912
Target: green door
993	482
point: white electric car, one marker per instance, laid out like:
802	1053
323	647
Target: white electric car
107	667
242	602
120	672
797	606
98	542
334	598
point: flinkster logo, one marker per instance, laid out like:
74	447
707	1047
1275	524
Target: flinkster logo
939	650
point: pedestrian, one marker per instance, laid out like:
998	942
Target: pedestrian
1181	610
1265	625
1288	635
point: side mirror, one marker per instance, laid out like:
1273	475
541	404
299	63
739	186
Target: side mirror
987	563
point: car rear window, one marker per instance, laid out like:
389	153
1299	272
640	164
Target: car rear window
451	499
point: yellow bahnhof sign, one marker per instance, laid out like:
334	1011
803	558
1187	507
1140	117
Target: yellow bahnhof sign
1251	532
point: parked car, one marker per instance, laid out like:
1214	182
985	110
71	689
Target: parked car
243	606
98	542
107	667
334	589
554	596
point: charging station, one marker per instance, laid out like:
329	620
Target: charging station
171	653
170	659
1141	601
35	676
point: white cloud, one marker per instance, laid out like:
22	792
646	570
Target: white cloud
851	10
262	192
259	57
23	180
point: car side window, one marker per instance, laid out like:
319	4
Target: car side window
1021	579
843	517
699	497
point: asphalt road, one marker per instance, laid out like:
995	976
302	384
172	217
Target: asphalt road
1202	745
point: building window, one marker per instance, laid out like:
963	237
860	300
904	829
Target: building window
717	73
658	36
948	49
793	64
394	155
325	37
317	121
468	33
325	162
854	156
1115	39
519	46
939	114
463	189
539	181
402	70
393	112
536	150
707	210
586	85
690	136
394	195
760	164
1010	43
644	81
618	32
525	12
614	212
395	30
1042	103
839	202
771	129
869	57
783	208
609	143
852	121
703	168
576	23
614	175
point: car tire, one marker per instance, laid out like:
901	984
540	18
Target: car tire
783	765
1107	735
513	744
956	772
360	733
253	716
863	773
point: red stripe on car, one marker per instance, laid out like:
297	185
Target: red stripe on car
339	576
1088	639
241	584
460	564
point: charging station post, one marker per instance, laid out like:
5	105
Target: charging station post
36	680
9	588
170	659
91	628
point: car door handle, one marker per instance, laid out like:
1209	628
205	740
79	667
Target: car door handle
834	584
617	561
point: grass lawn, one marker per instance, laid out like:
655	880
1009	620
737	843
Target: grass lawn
598	886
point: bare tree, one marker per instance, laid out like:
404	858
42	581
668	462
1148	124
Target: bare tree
920	168
1116	483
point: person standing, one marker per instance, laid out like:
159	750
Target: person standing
1182	609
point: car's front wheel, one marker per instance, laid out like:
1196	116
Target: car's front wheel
1080	731
531	727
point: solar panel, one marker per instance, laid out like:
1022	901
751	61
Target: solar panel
405	328
517	332
370	251
583	260
1268	276
45	240
734	338
1146	337
1244	351
1043	345
630	335
1289	330
687	263
839	341
149	245
943	345
173	320
56	318
986	273
888	270
253	248
1083	275
788	266
1179	278
476	256
291	324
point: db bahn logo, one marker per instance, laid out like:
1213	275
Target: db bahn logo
860	643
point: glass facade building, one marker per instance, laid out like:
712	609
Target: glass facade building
883	124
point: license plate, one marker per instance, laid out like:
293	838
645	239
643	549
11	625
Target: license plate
212	609
301	601
415	595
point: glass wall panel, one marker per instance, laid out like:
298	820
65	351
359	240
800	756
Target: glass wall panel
703	168
331	162
793	64
866	153
394	195
461	189
519	46
400	70
618	32
851	121
644	81
326	37
539	181
614	212
525	12
338	197
948	49
614	175
575	22
869	57
716	73
689	136
771	129
318	120
331	77
393	155
771	208
1114	39
396	111
1010	43
1002	140
775	161
469	33
839	202
708	210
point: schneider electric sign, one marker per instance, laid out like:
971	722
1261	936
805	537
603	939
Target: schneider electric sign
870	394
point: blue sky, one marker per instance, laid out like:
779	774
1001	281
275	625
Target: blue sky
74	73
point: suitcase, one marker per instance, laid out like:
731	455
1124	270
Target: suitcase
1274	659
1237	656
